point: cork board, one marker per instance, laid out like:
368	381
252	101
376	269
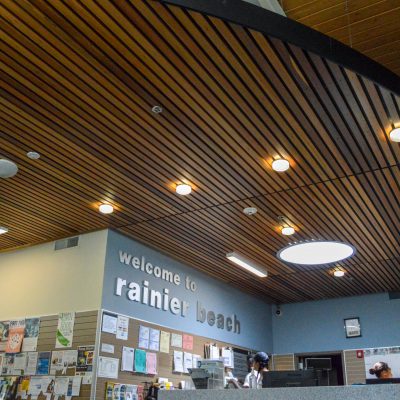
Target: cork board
164	360
85	328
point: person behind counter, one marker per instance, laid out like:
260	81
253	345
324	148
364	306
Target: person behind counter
381	370
253	379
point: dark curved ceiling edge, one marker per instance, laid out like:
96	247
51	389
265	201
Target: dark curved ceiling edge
288	30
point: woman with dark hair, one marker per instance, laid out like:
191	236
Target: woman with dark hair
260	364
381	370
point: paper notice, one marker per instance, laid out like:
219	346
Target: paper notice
164	342
15	336
128	355
122	327
107	348
195	360
140	361
154	343
176	340
187	362
178	361
32	326
65	330
109	324
151	363
187	342
144	337
108	367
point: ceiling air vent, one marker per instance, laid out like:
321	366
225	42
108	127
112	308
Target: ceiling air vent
66	243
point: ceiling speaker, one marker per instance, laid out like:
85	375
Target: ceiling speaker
7	168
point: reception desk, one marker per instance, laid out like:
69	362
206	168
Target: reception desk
362	392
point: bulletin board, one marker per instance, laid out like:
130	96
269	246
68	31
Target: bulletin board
164	360
84	334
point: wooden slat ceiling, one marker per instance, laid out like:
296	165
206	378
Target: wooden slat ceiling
369	26
78	81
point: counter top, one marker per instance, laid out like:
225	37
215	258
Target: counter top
362	392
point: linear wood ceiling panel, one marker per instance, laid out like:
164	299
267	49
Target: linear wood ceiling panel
78	82
369	26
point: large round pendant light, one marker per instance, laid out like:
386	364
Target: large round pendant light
316	252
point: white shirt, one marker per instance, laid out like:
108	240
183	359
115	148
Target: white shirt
246	383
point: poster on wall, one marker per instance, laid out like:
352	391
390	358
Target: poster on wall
4	326
31	334
85	359
43	363
65	330
122	327
15	336
382	362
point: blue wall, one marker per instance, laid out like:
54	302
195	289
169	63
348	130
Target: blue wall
254	315
318	326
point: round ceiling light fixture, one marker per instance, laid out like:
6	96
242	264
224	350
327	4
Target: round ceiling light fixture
250	210
287	230
183	189
33	155
106	208
7	168
316	252
395	135
3	230
157	109
338	273
280	165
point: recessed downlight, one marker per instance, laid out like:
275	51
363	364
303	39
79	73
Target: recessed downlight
316	253
3	230
183	189
280	165
33	155
395	135
338	273
287	231
106	208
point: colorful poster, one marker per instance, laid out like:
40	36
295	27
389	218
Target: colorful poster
43	363
154	343
8	364
151	363
382	363
140	361
56	362
187	342
15	336
122	327
65	330
4	327
85	359
32	326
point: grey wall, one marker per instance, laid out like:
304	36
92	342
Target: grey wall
254	315
318	325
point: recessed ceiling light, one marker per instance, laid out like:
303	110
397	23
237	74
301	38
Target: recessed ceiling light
106	208
316	253
250	210
246	264
33	155
338	273
287	231
7	168
157	109
183	189
3	230
280	165
395	135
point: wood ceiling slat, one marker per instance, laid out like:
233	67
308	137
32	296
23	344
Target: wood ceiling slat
78	83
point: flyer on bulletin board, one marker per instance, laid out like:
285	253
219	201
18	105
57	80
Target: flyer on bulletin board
15	336
65	330
32	326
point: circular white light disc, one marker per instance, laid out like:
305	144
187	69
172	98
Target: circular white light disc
106	208
183	189
316	253
280	165
338	274
395	135
287	231
7	168
3	230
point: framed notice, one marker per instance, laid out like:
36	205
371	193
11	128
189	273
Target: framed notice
352	327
